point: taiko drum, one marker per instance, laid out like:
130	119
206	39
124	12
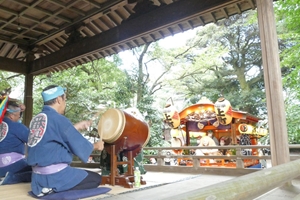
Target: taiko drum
124	130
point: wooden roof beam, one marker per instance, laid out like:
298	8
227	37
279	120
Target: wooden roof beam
91	13
144	39
115	50
238	8
181	27
252	4
38	21
201	20
213	17
190	23
171	31
68	6
156	20
225	13
13	65
121	47
93	3
153	37
162	34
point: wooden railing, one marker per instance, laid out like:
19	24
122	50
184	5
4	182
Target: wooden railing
249	178
238	166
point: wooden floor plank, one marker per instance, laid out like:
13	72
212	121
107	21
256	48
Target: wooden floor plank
16	191
20	191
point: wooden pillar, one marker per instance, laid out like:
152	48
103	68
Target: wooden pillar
187	135
28	100
273	83
233	132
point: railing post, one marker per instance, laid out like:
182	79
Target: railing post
159	160
239	161
196	163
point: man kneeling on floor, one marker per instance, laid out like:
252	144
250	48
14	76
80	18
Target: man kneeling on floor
13	136
52	141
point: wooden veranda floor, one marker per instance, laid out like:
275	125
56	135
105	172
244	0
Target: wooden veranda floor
160	185
153	180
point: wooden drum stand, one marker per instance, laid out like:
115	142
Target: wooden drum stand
122	133
115	178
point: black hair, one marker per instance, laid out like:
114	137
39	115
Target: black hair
52	101
13	105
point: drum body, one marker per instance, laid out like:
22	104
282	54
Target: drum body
123	130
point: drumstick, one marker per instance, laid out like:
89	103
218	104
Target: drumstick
100	131
93	119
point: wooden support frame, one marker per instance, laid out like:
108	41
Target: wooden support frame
28	99
114	178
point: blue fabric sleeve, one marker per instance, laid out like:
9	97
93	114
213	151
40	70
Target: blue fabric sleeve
23	132
77	144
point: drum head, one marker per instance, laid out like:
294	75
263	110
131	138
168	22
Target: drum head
111	125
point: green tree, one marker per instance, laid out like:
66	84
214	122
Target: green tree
226	62
4	85
14	81
288	14
88	86
143	92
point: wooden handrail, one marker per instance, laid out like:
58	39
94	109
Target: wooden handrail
160	156
248	186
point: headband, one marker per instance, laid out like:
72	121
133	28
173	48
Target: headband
12	111
53	93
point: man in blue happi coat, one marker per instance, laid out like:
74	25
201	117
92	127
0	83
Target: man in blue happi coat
52	141
13	136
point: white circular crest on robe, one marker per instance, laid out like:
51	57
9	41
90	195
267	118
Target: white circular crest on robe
6	160
3	131
37	128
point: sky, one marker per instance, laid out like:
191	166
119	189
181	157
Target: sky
17	93
177	40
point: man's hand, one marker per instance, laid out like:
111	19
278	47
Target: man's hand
83	125
99	145
22	107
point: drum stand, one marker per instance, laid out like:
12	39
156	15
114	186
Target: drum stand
114	178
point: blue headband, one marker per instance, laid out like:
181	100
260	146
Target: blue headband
53	93
13	111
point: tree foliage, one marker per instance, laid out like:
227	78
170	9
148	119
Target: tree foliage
288	14
13	81
88	86
225	60
144	98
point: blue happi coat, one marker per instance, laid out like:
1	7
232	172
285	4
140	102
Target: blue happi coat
13	136
52	140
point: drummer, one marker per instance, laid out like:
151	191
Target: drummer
52	141
13	136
